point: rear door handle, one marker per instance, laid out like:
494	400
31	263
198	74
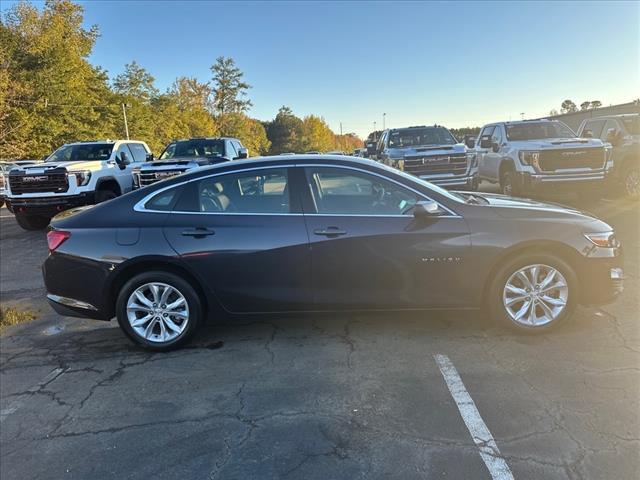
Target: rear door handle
330	232
198	232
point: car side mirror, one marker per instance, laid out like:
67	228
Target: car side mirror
495	147
427	208
243	153
149	157
485	142
471	142
588	134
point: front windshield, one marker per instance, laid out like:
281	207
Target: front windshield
194	148
538	131
632	125
82	152
417	137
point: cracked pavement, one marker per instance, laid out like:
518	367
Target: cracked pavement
317	396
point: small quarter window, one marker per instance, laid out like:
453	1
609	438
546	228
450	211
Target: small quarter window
163	201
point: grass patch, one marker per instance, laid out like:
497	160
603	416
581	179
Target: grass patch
12	316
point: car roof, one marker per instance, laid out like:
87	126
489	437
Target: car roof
101	142
619	115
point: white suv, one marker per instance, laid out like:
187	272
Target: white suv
76	174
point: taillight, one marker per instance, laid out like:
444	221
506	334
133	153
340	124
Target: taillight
55	238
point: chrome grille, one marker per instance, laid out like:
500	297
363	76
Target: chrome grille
437	164
149	178
589	157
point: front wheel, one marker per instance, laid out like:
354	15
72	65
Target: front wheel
508	185
158	310
631	181
533	293
104	195
32	222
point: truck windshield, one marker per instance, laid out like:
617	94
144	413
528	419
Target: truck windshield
538	130
632	125
81	152
417	137
194	148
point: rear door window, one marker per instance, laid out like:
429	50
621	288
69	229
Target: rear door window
595	126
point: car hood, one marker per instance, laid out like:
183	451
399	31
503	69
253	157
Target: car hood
430	150
529	209
554	143
80	165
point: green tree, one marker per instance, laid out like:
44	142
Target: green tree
585	105
192	99
285	132
316	134
229	90
596	104
51	94
568	106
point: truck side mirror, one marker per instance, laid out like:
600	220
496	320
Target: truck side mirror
495	147
588	134
149	157
471	142
485	142
612	136
122	160
243	153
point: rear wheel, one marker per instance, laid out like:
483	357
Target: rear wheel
533	293
32	222
158	310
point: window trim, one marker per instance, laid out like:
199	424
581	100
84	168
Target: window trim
140	205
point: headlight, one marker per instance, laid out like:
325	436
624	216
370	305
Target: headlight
82	177
603	239
473	159
529	158
136	177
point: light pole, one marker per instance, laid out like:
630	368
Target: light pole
521	115
384	115
124	114
374	131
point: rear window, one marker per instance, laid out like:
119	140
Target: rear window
82	152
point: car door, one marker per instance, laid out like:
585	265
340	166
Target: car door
245	236
481	151
493	155
369	252
124	171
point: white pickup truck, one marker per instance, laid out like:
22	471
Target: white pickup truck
76	174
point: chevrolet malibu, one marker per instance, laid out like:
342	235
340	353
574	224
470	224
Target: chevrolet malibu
321	233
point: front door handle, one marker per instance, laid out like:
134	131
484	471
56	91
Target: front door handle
198	232
330	232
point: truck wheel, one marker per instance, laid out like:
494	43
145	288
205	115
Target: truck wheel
1	202
104	195
631	181
533	293
508	185
32	222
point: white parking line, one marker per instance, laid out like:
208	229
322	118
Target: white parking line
16	404
481	435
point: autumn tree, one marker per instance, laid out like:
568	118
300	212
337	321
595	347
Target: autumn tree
316	134
285	132
229	90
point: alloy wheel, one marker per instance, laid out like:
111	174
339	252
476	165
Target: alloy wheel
632	183
157	312
535	295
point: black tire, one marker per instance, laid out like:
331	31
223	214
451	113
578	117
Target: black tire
497	310
1	202
104	195
182	286
631	180
507	183
32	222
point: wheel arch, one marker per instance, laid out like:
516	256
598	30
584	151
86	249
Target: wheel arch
165	264
109	183
558	249
505	164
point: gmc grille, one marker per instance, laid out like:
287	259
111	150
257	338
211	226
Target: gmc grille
148	178
437	164
592	157
38	183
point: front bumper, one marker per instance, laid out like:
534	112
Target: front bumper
466	181
48	206
530	182
601	276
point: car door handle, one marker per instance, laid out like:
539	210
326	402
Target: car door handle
330	232
198	232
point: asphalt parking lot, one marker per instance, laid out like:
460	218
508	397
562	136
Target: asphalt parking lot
322	396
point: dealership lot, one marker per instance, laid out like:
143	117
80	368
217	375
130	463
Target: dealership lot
321	396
